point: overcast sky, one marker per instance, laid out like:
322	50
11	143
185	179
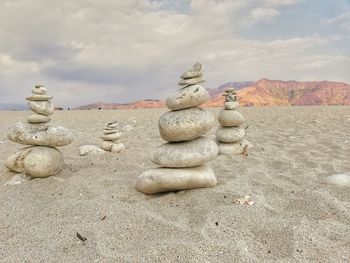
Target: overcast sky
88	51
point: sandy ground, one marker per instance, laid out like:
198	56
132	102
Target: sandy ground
296	217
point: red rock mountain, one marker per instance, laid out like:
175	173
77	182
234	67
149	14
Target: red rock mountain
262	93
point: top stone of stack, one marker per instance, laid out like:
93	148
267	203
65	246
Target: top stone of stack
192	76
231	102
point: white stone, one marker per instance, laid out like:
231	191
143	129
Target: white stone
230	134
185	154
38	118
107	145
112	137
41	107
342	180
113	124
40	134
191	81
39	90
195	71
188	97
36	161
231	105
175	179
230	118
231	148
106	131
185	125
38	97
118	148
90	150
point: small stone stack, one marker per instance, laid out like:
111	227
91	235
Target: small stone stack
231	133
42	159
183	157
111	138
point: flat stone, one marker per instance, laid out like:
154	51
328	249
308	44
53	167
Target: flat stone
41	107
118	148
230	134
175	179
113	124
231	105
90	150
41	90
39	97
188	97
185	154
38	118
234	148
195	71
37	134
230	118
185	125
112	137
36	161
191	81
105	131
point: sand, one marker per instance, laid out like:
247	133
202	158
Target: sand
296	217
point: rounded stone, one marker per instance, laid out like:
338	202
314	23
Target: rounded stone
40	134
231	105
43	161
191	81
185	154
231	148
230	118
118	148
112	137
185	125
170	179
230	134
188	97
41	90
39	97
195	71
107	145
41	107
90	150
38	118
15	162
107	131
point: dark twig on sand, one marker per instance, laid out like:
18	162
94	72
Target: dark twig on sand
82	238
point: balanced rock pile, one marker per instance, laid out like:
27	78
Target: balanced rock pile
231	133
183	158
111	138
42	159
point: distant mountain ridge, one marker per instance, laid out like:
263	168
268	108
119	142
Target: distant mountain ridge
13	106
264	92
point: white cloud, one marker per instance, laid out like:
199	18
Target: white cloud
259	13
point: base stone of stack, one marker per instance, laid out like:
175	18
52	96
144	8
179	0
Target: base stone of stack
230	134
230	118
174	179
37	134
185	154
188	97
36	161
185	125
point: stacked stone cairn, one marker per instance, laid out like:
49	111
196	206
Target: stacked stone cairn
111	138
42	158
232	131
183	158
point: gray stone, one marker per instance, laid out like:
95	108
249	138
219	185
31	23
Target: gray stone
231	148
171	179
191	81
41	90
38	134
185	154
39	97
230	118
41	107
112	137
38	118
113	124
188	97
36	161
90	150
230	134
231	105
106	131
185	125
118	148
107	145
195	71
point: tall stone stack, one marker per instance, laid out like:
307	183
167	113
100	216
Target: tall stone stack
231	132
42	158
111	138
183	158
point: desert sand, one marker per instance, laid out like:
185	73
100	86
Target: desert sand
296	216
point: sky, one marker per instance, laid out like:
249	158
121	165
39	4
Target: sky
87	51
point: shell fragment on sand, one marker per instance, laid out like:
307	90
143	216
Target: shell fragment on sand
174	179
185	154
90	150
342	180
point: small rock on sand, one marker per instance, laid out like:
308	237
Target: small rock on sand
339	179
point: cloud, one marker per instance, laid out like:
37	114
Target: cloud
259	13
